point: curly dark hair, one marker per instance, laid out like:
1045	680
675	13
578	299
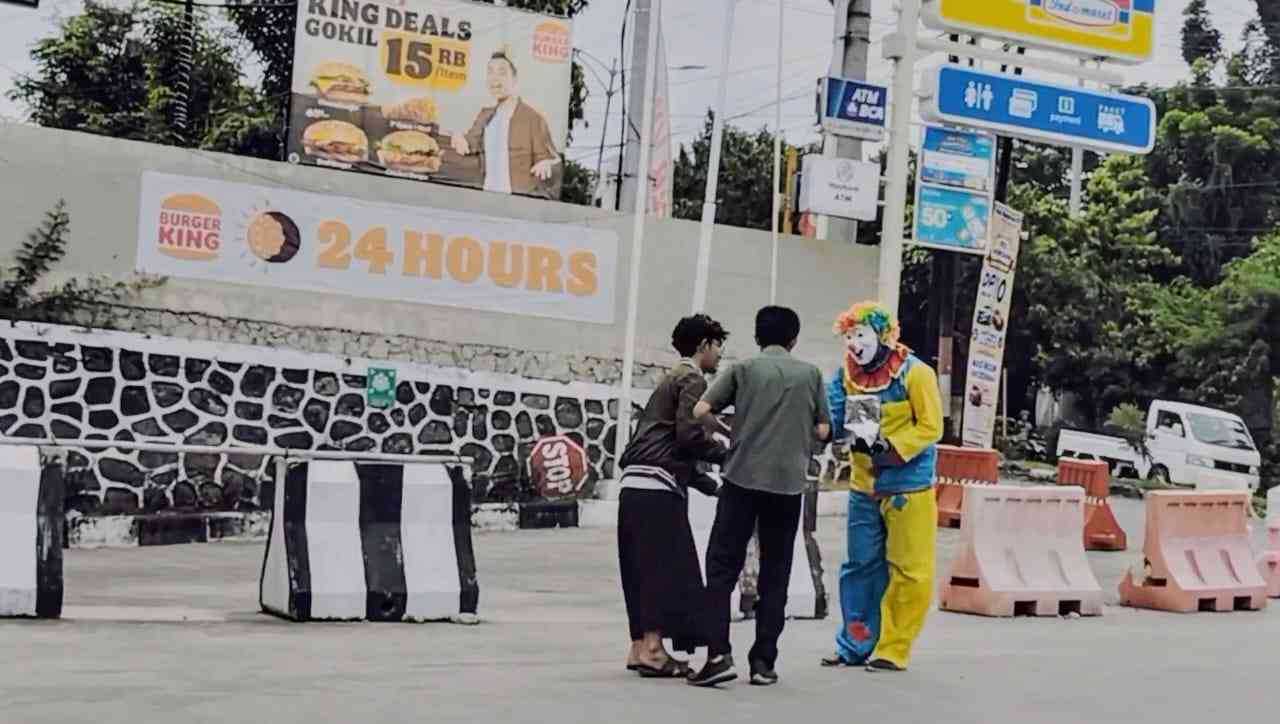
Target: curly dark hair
691	332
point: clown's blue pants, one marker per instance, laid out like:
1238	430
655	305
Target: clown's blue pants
886	584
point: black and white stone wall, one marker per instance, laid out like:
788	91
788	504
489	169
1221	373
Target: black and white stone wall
72	383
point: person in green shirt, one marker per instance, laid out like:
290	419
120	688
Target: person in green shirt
780	412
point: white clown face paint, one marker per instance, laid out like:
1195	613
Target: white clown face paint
863	342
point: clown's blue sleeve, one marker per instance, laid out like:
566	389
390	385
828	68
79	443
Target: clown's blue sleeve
835	402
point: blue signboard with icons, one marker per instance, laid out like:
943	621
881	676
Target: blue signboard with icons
954	186
1015	106
853	108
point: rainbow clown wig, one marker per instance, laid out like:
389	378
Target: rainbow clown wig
874	315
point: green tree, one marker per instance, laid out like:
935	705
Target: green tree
25	294
1200	39
579	185
121	72
746	177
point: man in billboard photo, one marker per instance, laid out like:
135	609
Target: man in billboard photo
513	140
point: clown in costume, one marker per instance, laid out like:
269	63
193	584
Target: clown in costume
886	585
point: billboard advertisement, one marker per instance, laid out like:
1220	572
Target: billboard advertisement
954	190
452	91
222	231
1121	30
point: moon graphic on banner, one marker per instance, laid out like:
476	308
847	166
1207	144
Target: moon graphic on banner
273	237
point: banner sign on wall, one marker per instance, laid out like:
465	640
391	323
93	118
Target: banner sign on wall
991	328
230	232
448	90
954	190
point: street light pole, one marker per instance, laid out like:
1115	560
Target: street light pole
895	211
713	168
623	435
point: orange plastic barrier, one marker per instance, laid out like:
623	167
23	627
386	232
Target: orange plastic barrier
958	468
1021	555
1269	561
1197	555
1102	532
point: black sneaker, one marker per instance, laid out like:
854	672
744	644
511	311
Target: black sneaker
718	670
762	674
883	665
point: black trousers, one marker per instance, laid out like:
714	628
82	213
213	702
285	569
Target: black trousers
737	513
658	559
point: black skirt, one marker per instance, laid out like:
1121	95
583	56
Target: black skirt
661	578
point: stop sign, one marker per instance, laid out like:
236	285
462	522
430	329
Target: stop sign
558	467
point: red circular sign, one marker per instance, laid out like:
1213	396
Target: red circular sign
558	467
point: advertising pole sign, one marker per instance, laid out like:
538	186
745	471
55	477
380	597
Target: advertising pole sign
991	328
454	91
955	184
1121	30
1015	106
840	187
853	108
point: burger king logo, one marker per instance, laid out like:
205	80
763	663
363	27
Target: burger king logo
190	227
551	42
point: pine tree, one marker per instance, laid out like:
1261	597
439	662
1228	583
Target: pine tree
1199	38
43	249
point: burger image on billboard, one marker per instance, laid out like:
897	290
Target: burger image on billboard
410	152
336	141
340	82
190	227
417	111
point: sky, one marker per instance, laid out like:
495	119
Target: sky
693	36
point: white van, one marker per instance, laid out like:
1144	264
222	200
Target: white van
1189	445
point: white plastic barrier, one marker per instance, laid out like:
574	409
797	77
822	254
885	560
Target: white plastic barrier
31	509
377	542
803	600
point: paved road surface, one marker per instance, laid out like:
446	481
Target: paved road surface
551	650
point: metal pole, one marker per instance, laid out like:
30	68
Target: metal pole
777	160
630	171
638	215
849	60
713	168
1077	172
604	133
891	236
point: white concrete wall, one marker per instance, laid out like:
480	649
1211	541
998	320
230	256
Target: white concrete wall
100	180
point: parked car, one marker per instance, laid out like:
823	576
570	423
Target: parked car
1187	445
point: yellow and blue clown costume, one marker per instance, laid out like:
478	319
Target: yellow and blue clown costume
886	585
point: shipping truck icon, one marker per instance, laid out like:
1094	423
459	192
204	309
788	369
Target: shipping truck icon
1111	120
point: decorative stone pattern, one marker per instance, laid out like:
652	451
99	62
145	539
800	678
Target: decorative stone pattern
70	383
556	367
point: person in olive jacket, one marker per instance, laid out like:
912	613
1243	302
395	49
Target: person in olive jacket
661	577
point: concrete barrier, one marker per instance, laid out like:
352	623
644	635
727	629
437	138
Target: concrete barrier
31	505
1269	561
959	468
1022	554
1102	532
377	542
806	597
1197	555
